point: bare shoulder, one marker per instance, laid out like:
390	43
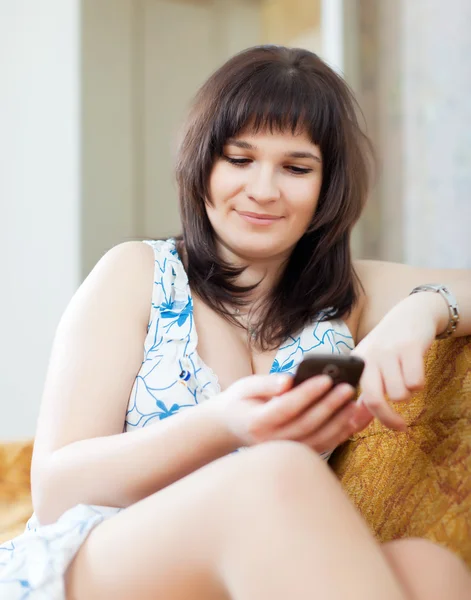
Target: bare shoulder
374	272
352	320
97	351
123	274
126	260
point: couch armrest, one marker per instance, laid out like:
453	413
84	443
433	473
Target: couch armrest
418	483
15	487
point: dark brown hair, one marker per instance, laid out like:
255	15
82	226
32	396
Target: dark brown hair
277	88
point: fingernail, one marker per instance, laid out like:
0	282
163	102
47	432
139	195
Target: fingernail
354	423
358	424
401	427
325	380
282	380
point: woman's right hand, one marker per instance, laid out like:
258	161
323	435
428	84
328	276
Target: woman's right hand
260	408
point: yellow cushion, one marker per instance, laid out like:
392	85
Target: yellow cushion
15	496
419	483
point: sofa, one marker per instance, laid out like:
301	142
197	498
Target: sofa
413	484
418	483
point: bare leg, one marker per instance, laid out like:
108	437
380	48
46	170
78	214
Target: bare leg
268	523
428	571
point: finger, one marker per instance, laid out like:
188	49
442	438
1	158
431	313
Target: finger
413	368
361	417
262	386
393	379
372	397
286	407
334	433
316	416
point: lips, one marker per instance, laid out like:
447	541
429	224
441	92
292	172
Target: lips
261	216
258	218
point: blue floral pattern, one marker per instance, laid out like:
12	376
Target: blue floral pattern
172	378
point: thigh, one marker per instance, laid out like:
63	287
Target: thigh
160	547
170	544
428	571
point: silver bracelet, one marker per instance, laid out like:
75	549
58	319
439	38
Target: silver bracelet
450	299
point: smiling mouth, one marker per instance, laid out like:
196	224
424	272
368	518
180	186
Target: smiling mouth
259	219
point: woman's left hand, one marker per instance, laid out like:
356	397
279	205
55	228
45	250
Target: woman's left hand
394	358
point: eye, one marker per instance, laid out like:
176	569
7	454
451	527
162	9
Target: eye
239	162
298	170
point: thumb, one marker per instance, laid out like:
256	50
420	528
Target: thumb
263	386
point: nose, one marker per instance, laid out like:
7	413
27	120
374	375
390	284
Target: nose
262	186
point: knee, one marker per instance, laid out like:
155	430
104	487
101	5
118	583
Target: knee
282	469
422	555
414	549
427	570
284	459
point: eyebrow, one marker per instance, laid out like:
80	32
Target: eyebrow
247	146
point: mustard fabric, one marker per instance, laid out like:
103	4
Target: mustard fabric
404	485
418	483
15	496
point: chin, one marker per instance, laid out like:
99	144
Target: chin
260	249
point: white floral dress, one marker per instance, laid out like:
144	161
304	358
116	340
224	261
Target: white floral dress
172	378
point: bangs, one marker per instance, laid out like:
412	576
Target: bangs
273	100
278	90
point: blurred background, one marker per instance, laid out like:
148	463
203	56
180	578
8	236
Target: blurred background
92	93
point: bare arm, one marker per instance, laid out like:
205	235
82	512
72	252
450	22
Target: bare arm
396	330
386	284
121	469
81	454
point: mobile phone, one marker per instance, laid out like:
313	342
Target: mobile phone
341	368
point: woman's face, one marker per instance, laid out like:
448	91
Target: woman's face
264	192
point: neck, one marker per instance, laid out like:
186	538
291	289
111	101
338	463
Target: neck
267	271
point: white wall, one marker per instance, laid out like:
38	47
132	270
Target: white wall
142	61
436	132
183	44
39	195
111	114
91	95
332	25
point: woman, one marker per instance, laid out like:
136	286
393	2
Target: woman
137	497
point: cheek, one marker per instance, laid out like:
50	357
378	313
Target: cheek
223	184
304	200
